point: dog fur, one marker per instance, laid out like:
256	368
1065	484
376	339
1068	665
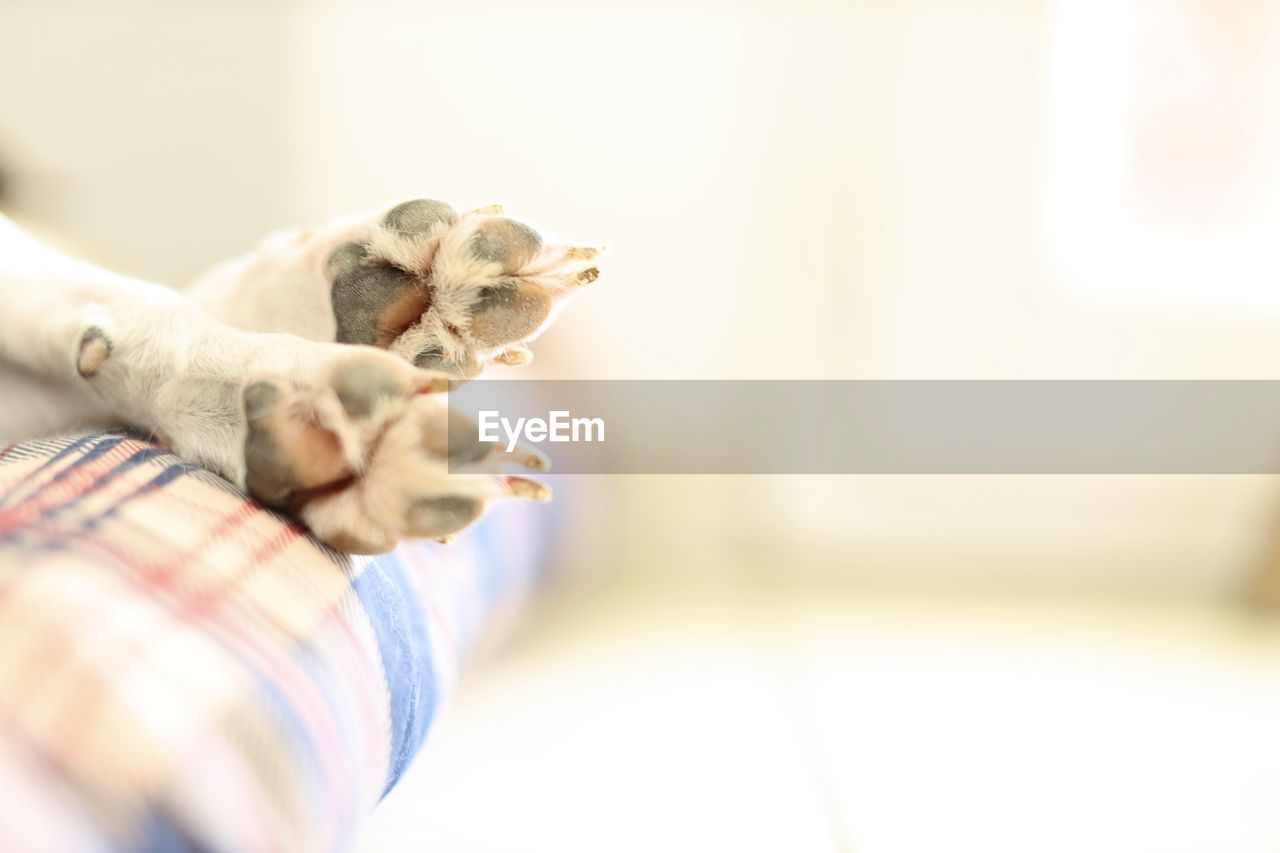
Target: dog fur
304	372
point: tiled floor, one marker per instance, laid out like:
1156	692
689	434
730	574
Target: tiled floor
732	711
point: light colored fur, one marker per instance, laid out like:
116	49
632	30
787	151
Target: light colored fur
178	365
173	370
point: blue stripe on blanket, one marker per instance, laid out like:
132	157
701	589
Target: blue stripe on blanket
160	833
397	619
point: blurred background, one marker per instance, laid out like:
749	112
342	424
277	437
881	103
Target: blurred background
1034	189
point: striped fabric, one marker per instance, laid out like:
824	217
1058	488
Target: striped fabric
181	669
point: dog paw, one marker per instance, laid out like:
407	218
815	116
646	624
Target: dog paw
442	290
366	454
340	429
452	292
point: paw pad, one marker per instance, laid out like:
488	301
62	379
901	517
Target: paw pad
362	385
307	435
509	312
452	292
441	516
269	475
420	216
372	302
505	241
95	349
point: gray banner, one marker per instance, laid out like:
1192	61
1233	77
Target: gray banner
883	427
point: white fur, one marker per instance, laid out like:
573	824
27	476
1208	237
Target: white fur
173	370
177	365
168	371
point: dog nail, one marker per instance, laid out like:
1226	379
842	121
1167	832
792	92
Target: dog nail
523	487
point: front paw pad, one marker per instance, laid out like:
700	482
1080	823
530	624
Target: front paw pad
362	453
453	292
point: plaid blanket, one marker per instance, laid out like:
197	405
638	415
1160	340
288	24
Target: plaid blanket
182	669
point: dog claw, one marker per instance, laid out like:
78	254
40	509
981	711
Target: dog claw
514	356
523	487
531	460
436	384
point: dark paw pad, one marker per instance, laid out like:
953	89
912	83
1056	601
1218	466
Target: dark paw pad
268	476
372	302
361	385
434	517
459	443
509	313
505	241
419	216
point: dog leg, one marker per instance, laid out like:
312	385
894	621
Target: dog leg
447	291
56	331
349	438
